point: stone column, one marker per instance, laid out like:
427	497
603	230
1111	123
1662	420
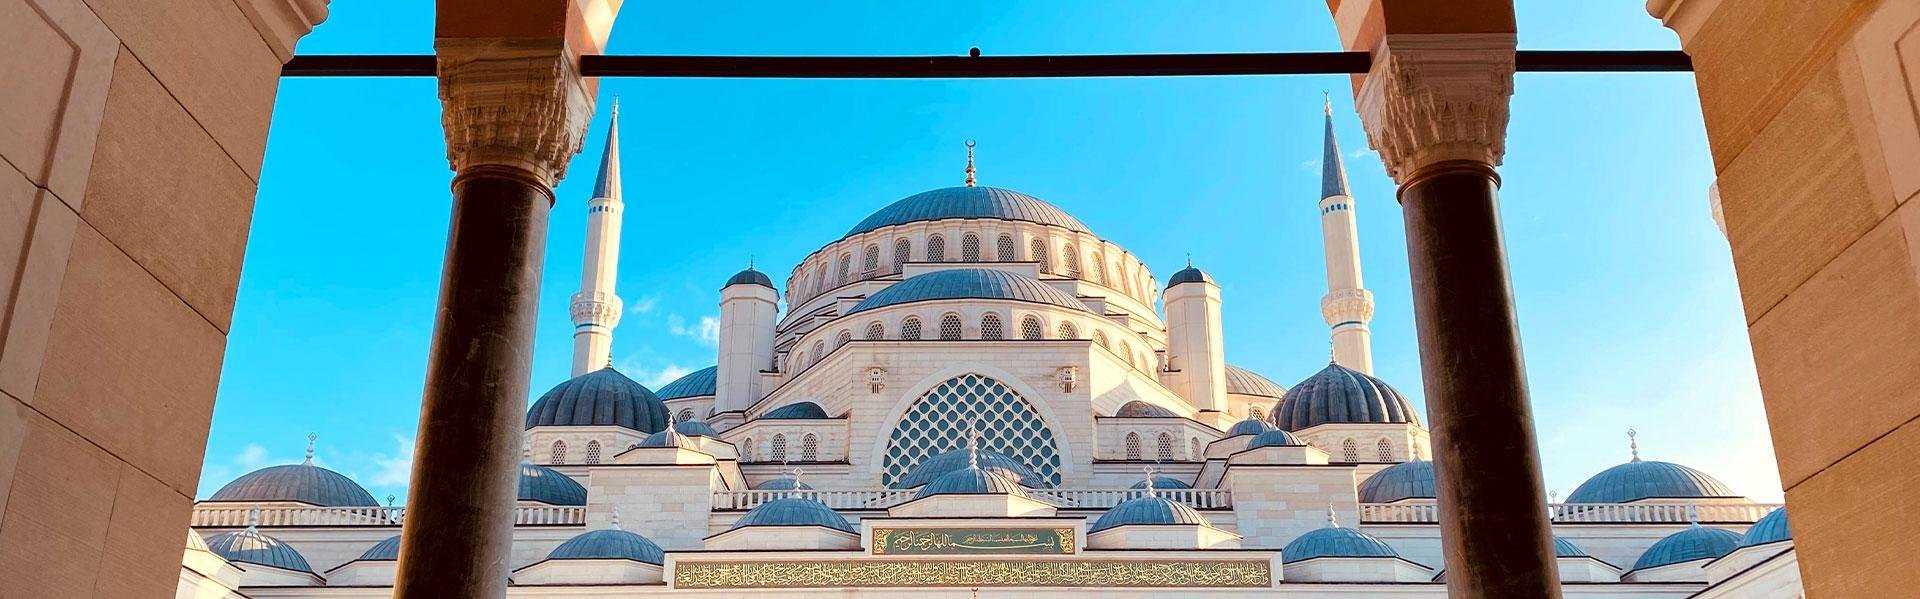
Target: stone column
1435	106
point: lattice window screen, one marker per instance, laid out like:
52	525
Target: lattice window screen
1133	446
910	328
876	331
1006	248
559	453
938	421
950	326
779	448
809	448
1030	328
1163	447
970	248
990	326
1350	450
593	452
936	249
1067	330
1386	450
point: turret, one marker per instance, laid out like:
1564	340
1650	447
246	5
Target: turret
1348	306
748	305
1196	355
595	308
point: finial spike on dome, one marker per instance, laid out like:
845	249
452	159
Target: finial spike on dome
390	499
1633	444
253	517
311	437
1149	470
969	163
1333	518
973	447
616	518
1693	515
795	475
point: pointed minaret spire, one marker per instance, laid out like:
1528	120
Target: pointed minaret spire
595	309
969	163
1348	306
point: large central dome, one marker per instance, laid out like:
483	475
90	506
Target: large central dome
969	202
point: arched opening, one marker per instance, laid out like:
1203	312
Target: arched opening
1133	446
910	328
970	248
938	421
1005	247
950	327
990	326
558	453
809	448
779	453
593	452
876	331
936	248
1030	328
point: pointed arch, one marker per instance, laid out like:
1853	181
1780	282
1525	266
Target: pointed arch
1385	449
1349	450
593	452
558	453
1070	258
1163	447
1197	454
902	253
870	263
1008	424
810	448
1038	250
970	248
1133	446
1100	339
779	453
936	248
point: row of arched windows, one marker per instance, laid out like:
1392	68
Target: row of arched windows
809	449
1165	447
557	453
952	327
1350	450
810	283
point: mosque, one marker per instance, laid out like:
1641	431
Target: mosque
972	393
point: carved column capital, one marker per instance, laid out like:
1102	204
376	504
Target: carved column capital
515	104
1433	98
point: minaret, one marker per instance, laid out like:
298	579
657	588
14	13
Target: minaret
595	309
1196	354
749	306
1348	306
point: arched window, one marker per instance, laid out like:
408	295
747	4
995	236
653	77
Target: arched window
1256	413
950	326
870	265
1126	352
841	340
1099	270
910	328
969	248
875	330
1100	338
1007	424
1006	248
1386	450
1133	446
990	326
746	449
809	448
902	251
1067	330
1197	453
1030	328
936	248
559	455
1126	282
820	281
593	452
685	414
1163	447
799	361
846	268
779	448
1039	251
1071	258
1350	450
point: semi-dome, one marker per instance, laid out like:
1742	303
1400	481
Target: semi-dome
1695	543
384	551
303	482
1275	438
1406	480
971	480
549	486
1189	275
805	410
968	202
1637	480
696	428
1342	395
1250	426
248	546
603	397
750	277
1335	541
1771	528
935	467
1152	509
1162	482
782	484
1141	409
670	438
970	283
1566	548
610	543
699	383
793	511
1247	382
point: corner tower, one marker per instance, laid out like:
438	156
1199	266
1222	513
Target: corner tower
1348	306
1196	354
595	308
748	307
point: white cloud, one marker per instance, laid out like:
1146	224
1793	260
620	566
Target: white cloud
1363	152
707	331
1310	165
395	469
251	457
653	377
643	305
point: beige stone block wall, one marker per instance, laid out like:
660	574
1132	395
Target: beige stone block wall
1274	504
668	504
132	135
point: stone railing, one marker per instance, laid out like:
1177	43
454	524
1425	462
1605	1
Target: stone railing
221	515
1580	513
886	498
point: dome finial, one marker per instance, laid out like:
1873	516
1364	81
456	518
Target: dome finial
795	475
1328	97
1150	472
969	163
616	518
1189	259
1633	444
253	518
973	447
1693	515
311	437
1333	518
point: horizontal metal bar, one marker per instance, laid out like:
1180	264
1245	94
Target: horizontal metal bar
981	67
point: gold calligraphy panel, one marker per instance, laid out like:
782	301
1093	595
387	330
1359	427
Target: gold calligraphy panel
985	573
963	541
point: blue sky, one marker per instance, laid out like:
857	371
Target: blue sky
1627	300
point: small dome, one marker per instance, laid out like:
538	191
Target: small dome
1247	382
935	467
793	511
603	397
1250	426
1275	438
1152	509
1189	275
1637	480
1566	548
968	202
1335	541
303	482
672	438
1162	482
696	428
1771	528
1343	395
1141	409
805	410
195	541
610	543
248	546
1407	480
699	383
549	486
1695	543
970	283
782	484
971	481
384	551
750	277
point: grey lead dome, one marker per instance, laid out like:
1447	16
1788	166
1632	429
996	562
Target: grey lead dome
970	283
303	482
968	202
603	397
1342	395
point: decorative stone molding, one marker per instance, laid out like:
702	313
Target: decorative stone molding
1438	97
283	22
1347	305
1684	17
1069	376
601	309
876	378
513	104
